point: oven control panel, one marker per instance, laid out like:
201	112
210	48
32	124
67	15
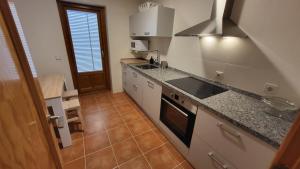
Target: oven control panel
180	99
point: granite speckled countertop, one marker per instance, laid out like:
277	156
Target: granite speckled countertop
133	61
240	108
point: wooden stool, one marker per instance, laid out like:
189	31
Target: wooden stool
73	112
69	94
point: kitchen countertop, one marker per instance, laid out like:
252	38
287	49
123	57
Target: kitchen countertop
133	61
240	108
52	85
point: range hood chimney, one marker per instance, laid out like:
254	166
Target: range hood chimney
219	23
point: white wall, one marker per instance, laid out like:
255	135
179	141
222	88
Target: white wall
270	55
42	27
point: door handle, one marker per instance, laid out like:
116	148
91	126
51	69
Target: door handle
52	118
102	54
58	121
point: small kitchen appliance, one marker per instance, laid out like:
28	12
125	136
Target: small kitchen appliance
139	45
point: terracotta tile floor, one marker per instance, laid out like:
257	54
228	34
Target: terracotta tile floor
119	135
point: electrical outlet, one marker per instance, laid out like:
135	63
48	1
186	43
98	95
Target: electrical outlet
271	88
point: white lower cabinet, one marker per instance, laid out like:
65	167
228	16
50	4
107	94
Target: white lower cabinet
125	77
241	149
216	143
202	156
145	92
151	99
135	85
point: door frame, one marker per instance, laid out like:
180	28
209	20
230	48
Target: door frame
33	85
288	154
62	5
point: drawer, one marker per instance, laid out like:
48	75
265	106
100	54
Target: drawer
202	156
151	99
242	149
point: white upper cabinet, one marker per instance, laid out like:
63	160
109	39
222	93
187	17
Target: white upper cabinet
157	21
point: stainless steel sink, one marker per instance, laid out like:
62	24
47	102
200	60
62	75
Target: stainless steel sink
147	66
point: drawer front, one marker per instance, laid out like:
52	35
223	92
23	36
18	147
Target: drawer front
238	147
124	77
151	99
202	156
135	85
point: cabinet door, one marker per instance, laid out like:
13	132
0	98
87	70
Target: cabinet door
135	25
124	77
129	84
135	86
237	146
151	99
148	23
202	156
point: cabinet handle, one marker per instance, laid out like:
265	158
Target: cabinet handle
134	74
179	111
150	84
214	158
134	87
228	130
133	33
146	33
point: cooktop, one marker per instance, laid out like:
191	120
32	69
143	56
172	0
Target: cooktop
196	87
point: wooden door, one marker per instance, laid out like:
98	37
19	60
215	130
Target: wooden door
85	38
26	139
288	156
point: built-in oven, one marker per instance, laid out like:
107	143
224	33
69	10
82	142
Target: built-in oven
178	113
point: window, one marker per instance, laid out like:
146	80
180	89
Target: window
85	38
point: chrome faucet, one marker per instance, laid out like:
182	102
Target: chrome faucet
158	55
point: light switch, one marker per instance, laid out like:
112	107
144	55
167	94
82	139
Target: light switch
58	58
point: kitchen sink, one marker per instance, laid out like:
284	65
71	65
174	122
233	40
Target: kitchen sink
147	66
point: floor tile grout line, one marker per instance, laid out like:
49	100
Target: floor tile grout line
134	140
137	144
178	165
139	148
115	157
131	160
169	153
98	150
141	117
84	151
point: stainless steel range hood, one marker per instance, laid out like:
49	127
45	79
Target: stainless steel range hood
219	23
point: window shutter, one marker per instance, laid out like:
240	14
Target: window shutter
85	39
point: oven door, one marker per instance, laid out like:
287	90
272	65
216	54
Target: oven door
178	119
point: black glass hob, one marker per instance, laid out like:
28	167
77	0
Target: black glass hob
196	87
